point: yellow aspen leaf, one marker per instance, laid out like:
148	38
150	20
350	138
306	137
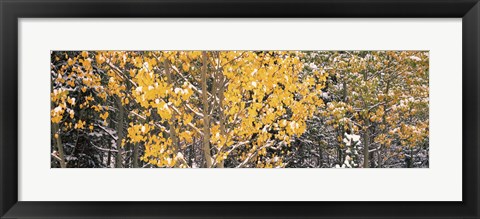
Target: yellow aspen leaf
84	54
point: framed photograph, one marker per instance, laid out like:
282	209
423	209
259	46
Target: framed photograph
255	109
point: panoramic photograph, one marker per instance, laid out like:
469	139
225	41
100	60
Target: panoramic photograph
239	109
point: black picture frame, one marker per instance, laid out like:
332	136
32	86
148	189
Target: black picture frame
12	10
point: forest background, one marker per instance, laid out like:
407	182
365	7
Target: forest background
233	109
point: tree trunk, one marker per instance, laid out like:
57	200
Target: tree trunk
221	110
173	120
410	165
59	145
56	130
320	156
384	123
372	159
206	116
378	155
367	133
109	155
135	155
119	158
366	143
339	148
